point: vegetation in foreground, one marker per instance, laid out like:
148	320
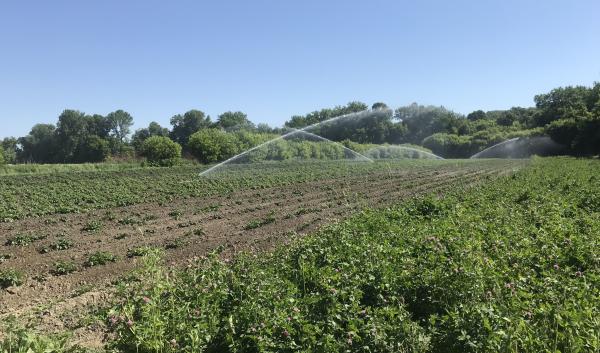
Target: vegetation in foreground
511	266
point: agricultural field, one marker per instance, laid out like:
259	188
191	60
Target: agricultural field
423	255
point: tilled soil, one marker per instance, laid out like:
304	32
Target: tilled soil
246	220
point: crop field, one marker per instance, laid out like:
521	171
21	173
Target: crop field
427	255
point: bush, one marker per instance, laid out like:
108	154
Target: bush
161	151
2	160
212	145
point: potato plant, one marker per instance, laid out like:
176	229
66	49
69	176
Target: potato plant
511	266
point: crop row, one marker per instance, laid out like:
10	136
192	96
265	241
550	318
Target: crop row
34	195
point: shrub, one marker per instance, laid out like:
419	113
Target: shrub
161	151
212	145
2	161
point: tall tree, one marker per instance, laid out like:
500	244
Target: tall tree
10	147
232	121
187	124
120	124
39	145
99	125
141	135
71	131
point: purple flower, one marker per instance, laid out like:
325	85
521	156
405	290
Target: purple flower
286	334
129	323
556	267
146	300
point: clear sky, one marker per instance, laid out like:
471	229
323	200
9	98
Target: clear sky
274	59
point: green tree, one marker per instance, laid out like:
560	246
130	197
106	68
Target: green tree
379	105
212	145
39	146
161	151
9	146
564	103
71	131
93	149
299	121
476	115
140	135
2	160
99	125
233	121
119	123
187	124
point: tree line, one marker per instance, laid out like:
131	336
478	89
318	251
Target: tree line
569	115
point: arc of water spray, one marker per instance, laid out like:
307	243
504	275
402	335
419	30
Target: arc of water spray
405	148
295	131
476	155
362	156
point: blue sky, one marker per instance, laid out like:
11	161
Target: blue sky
274	59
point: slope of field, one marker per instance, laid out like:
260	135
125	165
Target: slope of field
510	266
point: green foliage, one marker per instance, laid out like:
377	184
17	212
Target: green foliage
212	145
161	151
54	191
93	226
61	268
24	239
257	223
2	160
509	266
17	339
187	124
233	121
119	124
140	251
100	258
153	129
62	244
10	277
